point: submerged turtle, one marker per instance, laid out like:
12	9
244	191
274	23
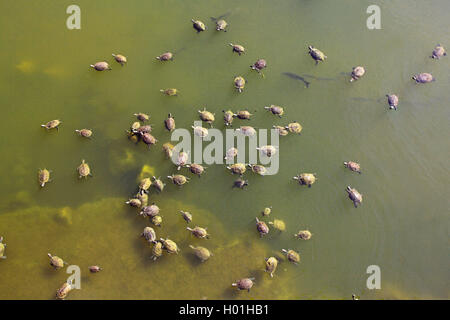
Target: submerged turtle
56	262
170	92
221	24
294	127
353	166
200	131
282	131
144	185
354	195
170	245
292	255
178	179
95	269
306	179
149	234
44	177
357	73
276	110
316	54
243	115
228	117
158	184
195	168
303	235
142	116
438	52
237	168
169	123
267	211
423	78
259	65
84	133
237	48
244	284
53	124
157	250
278	224
262	227
239	83
240	183
271	265
84	170
201	252
268	150
199	232
2	248
206	116
182	159
231	153
187	216
135	202
392	101
120	58
101	66
168	149
157	220
198	25
258	169
63	291
247	131
143	197
148	139
150	211
166	56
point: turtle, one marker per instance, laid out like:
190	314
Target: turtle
134	203
231	153
239	83
237	48
170	245
206	116
199	232
316	54
63	291
355	297
86	133
278	224
306	179
169	123
170	92
187	216
201	252
158	184
423	78
267	211
157	221
150	211
195	168
303	235
143	130
200	131
237	168
282	131
294	127
168	149
56	262
438	52
120	58
267	150
262	227
2	248
244	284
259	65
291	255
157	250
221	25
149	234
354	195
135	126
53	124
101	66
166	56
357	72
243	115
247	131
353	166
392	101
84	170
144	185
178	179
198	25
43	176
133	136
148	139
182	159
143	197
142	116
228	117
95	269
271	265
276	110
257	168
240	183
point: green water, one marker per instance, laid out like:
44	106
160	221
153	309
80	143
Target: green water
402	225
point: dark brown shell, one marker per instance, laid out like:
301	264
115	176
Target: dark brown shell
170	123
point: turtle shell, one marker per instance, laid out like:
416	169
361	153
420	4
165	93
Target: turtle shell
237	168
438	52
166	56
228	117
282	131
201	252
170	246
294	127
303	235
62	292
149	234
316	54
221	25
120	58
150	211
239	83
247	131
259	65
244	284
84	133
206	116
170	123
244	115
84	170
157	250
271	265
198	25
423	78
44	177
262	227
178	179
53	124
292	255
101	66
196	169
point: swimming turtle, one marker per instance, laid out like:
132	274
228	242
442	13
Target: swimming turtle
157	250
221	24
292	255
259	65
306	179
244	284
95	269
353	166
143	197
44	177
134	203
178	179
237	48
201	252
150	211
423	78
53	124
169	123
195	168
268	150
258	169
237	168
354	195
200	131
101	66
144	185
182	159
2	248
149	234
294	127
282	131
158	184
228	117
247	131
243	115
168	149
278	224
231	153
142	116
170	245
157	220
438	52
271	265
84	133
206	116
56	262
148	139
357	73
187	216
240	183
262	227
303	235
276	110
63	291
316	54
170	92
198	25
199	232
267	211
239	83
166	56
120	58
142	129
84	170
392	101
